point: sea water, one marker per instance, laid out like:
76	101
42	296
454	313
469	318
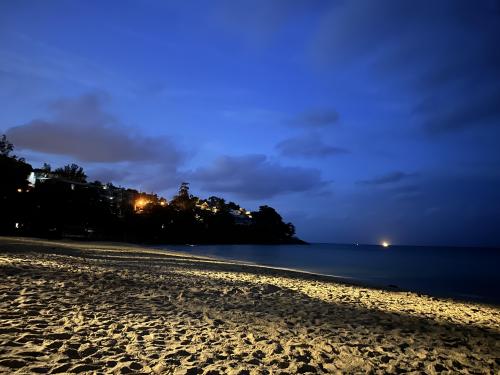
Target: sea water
464	273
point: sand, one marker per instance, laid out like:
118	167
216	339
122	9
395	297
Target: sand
68	307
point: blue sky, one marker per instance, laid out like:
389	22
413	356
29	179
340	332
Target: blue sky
359	121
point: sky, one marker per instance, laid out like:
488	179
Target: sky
359	121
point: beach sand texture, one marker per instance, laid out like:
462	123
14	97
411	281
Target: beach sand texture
68	307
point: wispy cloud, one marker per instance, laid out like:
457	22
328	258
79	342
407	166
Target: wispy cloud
308	146
315	118
441	53
32	57
387	179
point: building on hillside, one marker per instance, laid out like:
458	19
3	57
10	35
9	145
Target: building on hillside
241	216
119	200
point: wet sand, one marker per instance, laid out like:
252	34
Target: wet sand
68	307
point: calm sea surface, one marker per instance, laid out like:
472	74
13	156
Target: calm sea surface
464	273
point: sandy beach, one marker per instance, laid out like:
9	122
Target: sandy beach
69	307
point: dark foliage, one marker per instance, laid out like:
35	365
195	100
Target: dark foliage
6	148
70	172
13	186
62	204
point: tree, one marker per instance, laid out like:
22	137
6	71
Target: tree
233	206
184	190
46	167
14	203
183	200
71	172
268	216
270	226
219	203
5	146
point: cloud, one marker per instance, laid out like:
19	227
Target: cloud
80	128
316	118
151	177
308	146
386	179
116	175
482	110
255	177
443	53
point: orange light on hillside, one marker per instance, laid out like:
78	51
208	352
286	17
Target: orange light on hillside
141	202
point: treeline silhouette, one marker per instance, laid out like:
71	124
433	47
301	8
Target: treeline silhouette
61	203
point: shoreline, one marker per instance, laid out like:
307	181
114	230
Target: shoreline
350	280
117	308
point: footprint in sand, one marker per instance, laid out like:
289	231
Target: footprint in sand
13	363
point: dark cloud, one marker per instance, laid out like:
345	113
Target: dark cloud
308	146
255	177
315	119
389	178
80	128
446	53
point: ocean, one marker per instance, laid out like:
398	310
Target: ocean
471	274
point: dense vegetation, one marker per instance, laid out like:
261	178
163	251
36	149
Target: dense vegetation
64	204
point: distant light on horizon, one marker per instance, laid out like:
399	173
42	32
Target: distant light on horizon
385	244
